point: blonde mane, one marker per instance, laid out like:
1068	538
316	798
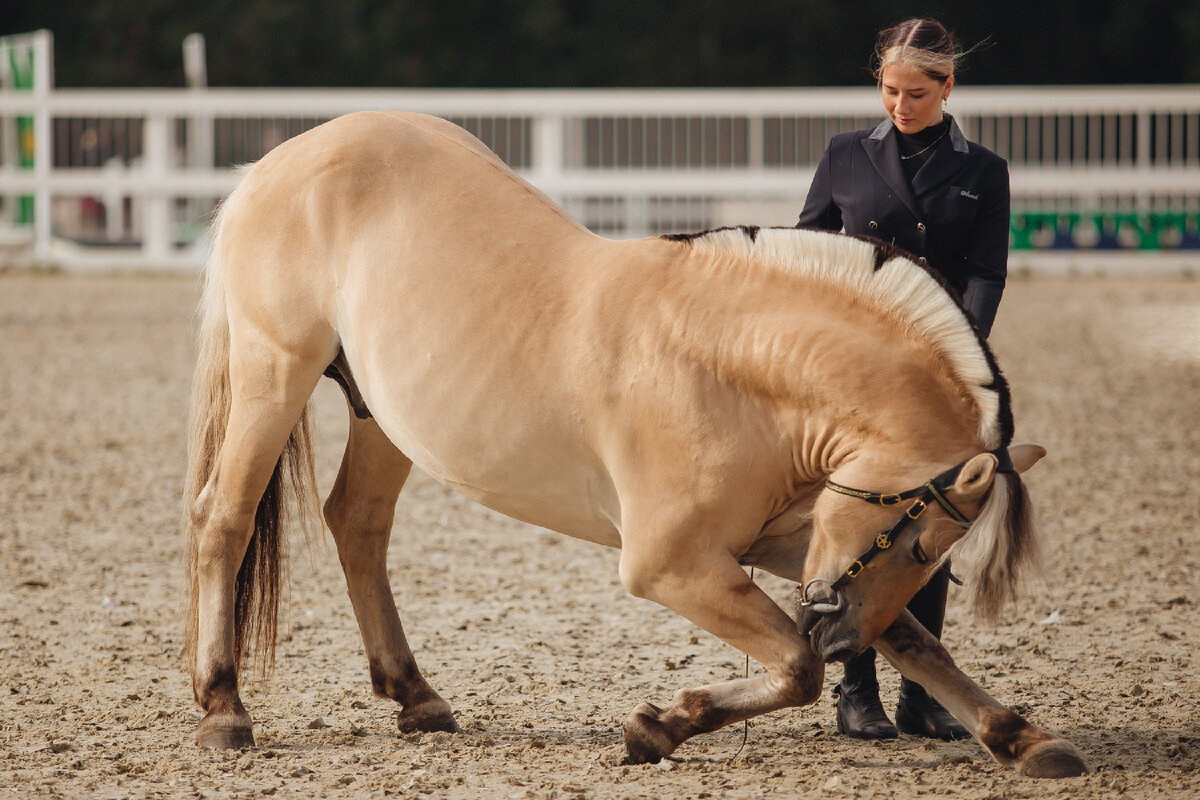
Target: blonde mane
894	282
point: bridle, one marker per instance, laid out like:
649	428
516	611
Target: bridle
933	490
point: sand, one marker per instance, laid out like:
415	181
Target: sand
529	634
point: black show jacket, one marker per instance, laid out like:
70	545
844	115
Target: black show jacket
955	213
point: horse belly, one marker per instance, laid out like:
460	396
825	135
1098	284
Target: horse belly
493	435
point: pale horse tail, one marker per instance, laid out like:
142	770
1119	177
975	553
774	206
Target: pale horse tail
291	491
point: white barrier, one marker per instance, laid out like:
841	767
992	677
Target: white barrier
127	178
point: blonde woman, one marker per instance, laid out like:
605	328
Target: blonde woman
916	182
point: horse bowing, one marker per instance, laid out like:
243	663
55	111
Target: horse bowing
701	402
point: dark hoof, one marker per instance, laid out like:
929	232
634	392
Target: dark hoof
1056	758
225	733
646	740
427	718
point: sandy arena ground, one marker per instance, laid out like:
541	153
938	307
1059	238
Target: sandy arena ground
528	634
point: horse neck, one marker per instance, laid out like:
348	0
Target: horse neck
903	412
851	382
839	378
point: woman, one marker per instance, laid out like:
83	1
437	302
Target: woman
916	182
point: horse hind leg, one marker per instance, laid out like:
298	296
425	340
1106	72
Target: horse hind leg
359	512
236	591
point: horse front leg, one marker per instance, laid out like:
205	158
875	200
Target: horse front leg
1005	734
718	596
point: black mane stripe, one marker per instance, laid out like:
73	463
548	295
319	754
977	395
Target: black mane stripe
750	231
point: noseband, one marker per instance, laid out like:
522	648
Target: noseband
921	496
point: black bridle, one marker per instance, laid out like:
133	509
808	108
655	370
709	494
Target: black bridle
933	490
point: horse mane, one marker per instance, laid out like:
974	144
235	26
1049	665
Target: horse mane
894	281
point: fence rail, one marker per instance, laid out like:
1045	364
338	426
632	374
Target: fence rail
129	177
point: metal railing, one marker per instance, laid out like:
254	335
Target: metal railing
128	178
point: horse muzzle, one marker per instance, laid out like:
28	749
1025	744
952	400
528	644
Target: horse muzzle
834	643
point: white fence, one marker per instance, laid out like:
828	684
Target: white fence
127	178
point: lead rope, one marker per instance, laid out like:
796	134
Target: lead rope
746	723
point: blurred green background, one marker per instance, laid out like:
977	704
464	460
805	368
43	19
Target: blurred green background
588	43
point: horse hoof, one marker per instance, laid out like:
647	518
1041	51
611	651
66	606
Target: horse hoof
646	741
427	718
225	731
224	737
1056	758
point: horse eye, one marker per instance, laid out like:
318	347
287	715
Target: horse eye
918	552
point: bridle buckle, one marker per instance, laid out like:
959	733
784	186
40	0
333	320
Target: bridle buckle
916	509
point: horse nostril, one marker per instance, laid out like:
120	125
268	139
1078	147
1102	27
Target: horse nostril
821	596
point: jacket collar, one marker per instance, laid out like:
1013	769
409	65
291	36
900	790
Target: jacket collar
884	151
957	140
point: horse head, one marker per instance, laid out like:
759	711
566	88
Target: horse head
872	550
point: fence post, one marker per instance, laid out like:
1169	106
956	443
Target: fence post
156	163
547	156
1145	158
200	124
43	143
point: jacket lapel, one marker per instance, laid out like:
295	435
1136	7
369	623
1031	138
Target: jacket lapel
884	152
951	156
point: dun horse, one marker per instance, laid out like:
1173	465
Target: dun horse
740	397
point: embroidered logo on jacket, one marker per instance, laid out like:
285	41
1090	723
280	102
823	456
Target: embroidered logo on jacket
968	195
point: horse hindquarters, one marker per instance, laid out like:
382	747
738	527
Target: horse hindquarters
359	512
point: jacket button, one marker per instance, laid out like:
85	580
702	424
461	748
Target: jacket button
922	261
873	225
921	226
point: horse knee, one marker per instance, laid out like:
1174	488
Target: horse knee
800	681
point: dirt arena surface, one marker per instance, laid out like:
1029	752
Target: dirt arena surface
528	634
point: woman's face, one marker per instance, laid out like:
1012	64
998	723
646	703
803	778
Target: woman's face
911	98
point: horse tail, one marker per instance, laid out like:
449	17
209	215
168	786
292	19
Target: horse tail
1000	548
291	489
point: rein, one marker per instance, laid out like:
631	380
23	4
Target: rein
931	491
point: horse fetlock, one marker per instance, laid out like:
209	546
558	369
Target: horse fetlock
427	717
1031	751
700	710
651	734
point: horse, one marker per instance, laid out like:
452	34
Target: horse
705	402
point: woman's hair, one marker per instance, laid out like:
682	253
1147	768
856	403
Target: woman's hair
923	44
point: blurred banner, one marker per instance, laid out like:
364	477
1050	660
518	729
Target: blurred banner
16	72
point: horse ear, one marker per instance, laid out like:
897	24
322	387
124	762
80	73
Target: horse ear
976	476
1025	455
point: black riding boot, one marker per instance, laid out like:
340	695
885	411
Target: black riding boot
917	712
859	712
